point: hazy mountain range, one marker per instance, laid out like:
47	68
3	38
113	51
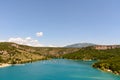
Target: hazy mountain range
80	45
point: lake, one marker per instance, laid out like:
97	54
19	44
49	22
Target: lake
55	69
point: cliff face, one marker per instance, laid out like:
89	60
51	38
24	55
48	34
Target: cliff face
105	47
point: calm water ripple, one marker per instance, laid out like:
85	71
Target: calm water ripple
56	69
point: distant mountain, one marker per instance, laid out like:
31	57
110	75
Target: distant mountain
80	45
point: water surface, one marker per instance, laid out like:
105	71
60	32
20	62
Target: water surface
56	69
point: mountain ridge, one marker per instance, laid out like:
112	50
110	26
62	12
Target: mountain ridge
80	45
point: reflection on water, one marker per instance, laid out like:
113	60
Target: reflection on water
55	69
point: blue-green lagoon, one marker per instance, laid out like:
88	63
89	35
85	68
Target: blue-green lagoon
55	69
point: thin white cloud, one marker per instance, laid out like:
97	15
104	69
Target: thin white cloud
2	40
28	41
25	41
39	34
51	46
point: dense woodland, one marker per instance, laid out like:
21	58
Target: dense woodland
107	60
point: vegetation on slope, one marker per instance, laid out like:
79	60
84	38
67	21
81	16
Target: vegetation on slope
108	60
13	53
110	65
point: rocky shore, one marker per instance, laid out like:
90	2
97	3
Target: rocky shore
4	65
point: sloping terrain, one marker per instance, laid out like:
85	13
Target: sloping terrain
14	53
107	59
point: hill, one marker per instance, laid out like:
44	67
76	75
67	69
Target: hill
80	45
14	53
107	59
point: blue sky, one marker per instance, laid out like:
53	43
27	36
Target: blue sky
61	21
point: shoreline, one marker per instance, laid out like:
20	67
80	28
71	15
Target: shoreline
2	65
109	70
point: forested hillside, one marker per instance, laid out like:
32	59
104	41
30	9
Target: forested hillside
14	53
108	60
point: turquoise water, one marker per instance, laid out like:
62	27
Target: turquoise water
56	69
